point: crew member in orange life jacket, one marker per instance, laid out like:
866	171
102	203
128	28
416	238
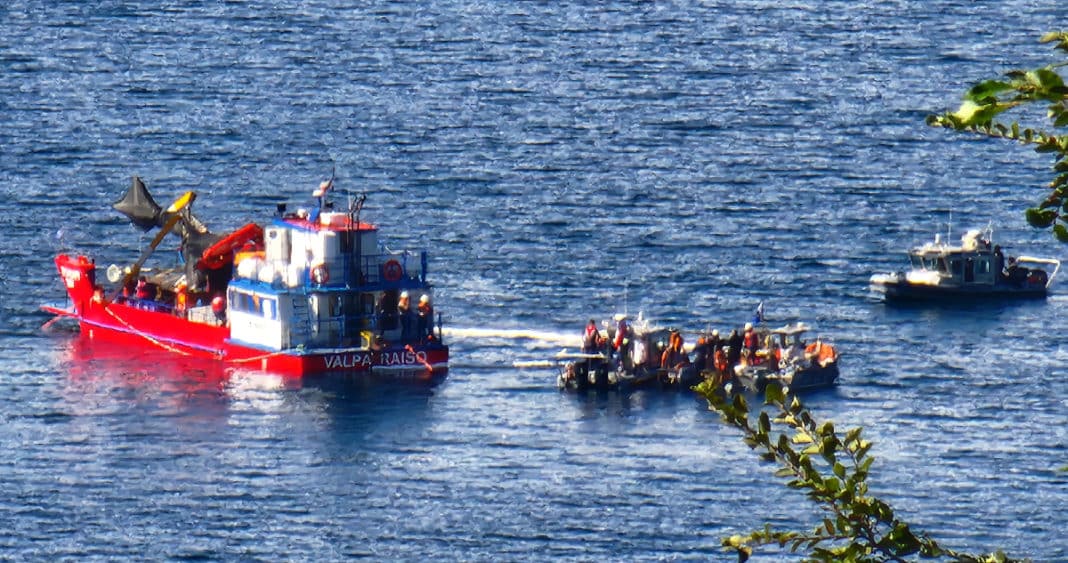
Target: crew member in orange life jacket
750	341
181	298
591	339
674	355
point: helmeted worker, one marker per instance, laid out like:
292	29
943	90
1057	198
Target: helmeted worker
750	340
404	314
425	327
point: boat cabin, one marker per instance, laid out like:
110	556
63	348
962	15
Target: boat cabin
323	280
974	262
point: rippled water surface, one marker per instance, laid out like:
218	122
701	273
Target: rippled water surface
560	161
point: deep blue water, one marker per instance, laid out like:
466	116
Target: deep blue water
560	161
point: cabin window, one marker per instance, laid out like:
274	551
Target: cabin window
984	266
270	309
942	266
954	266
916	262
345	242
969	269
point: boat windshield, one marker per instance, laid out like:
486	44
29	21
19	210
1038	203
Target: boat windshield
921	262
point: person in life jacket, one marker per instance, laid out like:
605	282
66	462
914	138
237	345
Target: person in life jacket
425	327
591	338
674	355
143	289
181	298
404	314
701	353
719	357
218	306
715	342
734	349
621	343
750	340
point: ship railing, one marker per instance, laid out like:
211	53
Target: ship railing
374	271
1051	261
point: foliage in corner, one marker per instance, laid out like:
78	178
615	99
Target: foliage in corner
988	101
833	473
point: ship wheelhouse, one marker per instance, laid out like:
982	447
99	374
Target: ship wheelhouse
974	263
323	281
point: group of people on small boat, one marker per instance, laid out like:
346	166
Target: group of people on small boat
713	355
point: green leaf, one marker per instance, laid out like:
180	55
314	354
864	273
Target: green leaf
1047	145
987	89
863	448
971	114
1054	36
1046	79
865	465
839	470
773	394
1040	218
1061	232
1061	119
802	438
763	423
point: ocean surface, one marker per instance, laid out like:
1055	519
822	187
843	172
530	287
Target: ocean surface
560	161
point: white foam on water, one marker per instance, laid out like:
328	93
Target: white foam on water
549	337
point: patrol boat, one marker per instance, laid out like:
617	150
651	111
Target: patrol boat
975	269
309	292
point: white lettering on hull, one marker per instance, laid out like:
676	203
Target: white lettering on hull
347	361
364	360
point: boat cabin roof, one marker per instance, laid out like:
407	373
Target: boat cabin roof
972	241
330	221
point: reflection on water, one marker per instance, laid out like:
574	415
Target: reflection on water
103	376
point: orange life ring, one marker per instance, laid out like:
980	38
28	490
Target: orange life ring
392	270
319	274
